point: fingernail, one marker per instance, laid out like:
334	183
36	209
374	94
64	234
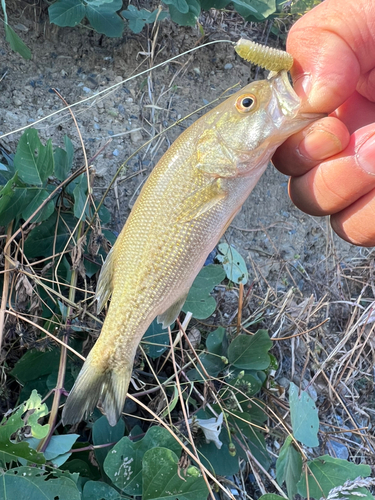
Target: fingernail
366	155
302	86
319	145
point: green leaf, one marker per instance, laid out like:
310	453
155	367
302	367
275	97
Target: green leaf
257	10
254	438
11	450
66	12
60	157
181	5
271	496
82	467
138	18
123	464
216	340
33	161
103	433
198	301
302	6
212	364
104	18
289	467
250	352
304	417
212	361
58	447
80	197
12	202
188	19
36	484
233	263
34	198
96	490
40	242
325	473
35	364
220	462
247	381
214	4
161	481
155	341
16	43
6	173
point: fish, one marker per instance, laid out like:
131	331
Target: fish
184	208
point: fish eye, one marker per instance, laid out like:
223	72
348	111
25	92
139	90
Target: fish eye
246	103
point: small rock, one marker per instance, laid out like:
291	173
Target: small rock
100	107
96	126
284	382
9	116
136	136
118	79
228	66
339	449
21	27
116	152
197	71
17	102
86	89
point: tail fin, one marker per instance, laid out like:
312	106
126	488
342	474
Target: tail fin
95	386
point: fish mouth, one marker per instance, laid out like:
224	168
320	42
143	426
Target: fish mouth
288	99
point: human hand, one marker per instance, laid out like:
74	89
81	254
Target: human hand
332	162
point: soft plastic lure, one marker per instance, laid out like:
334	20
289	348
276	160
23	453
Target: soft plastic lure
267	57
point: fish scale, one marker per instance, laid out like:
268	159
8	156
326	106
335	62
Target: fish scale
188	201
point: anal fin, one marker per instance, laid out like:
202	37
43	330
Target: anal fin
170	315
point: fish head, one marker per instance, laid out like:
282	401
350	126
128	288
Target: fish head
253	122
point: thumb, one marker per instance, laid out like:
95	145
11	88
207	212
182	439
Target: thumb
333	47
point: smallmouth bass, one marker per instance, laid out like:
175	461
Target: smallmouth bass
188	201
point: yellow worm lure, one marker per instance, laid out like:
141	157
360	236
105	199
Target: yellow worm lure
267	57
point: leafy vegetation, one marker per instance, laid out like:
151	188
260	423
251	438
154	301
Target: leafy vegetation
108	18
104	16
130	461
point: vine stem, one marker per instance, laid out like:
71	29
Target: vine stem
4	297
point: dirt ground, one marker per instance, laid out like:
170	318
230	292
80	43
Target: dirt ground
291	256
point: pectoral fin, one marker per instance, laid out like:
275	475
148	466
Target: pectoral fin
170	315
214	157
104	286
202	200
